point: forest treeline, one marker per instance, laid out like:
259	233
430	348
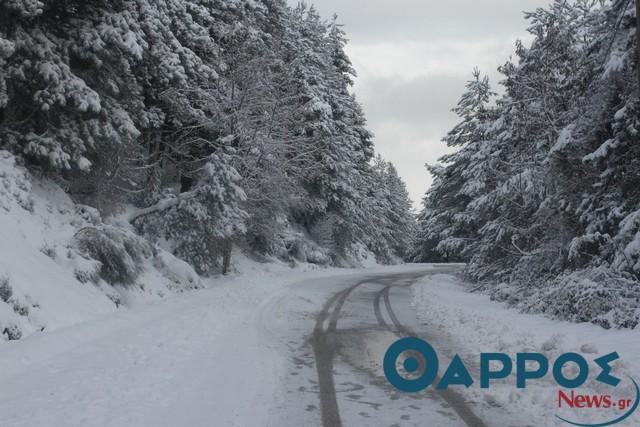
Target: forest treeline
218	122
542	194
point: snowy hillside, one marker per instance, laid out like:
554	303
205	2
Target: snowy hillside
47	279
62	264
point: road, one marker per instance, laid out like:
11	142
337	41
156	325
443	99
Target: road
295	349
329	342
338	365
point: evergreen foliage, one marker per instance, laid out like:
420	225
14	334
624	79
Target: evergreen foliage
222	121
542	196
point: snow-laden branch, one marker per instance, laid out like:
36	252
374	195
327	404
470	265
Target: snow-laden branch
162	205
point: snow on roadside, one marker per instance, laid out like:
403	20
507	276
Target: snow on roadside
201	358
469	324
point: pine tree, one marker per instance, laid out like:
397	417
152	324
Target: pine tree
221	122
446	225
544	201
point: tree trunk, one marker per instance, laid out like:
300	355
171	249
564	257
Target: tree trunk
186	183
154	138
226	256
638	43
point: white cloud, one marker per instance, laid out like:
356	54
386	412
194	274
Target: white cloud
413	59
408	89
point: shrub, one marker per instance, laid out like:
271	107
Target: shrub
12	332
594	295
120	253
5	288
49	250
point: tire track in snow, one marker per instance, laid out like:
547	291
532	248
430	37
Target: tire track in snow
454	399
324	348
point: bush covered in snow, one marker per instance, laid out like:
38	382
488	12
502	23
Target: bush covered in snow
8	302
5	288
60	263
120	253
15	184
595	295
12	332
302	248
181	274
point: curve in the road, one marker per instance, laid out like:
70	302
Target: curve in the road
324	350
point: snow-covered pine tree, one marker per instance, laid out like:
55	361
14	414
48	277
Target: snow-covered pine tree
335	147
546	204
68	66
446	225
391	225
212	117
400	214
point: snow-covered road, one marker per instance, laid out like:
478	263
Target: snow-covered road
216	357
266	349
194	360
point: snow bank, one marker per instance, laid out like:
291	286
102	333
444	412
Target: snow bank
471	324
34	219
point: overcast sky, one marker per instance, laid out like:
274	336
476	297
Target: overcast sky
413	59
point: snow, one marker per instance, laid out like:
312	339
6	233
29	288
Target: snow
204	355
93	354
130	41
620	114
469	324
602	151
365	256
30	260
207	355
84	164
564	138
178	270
